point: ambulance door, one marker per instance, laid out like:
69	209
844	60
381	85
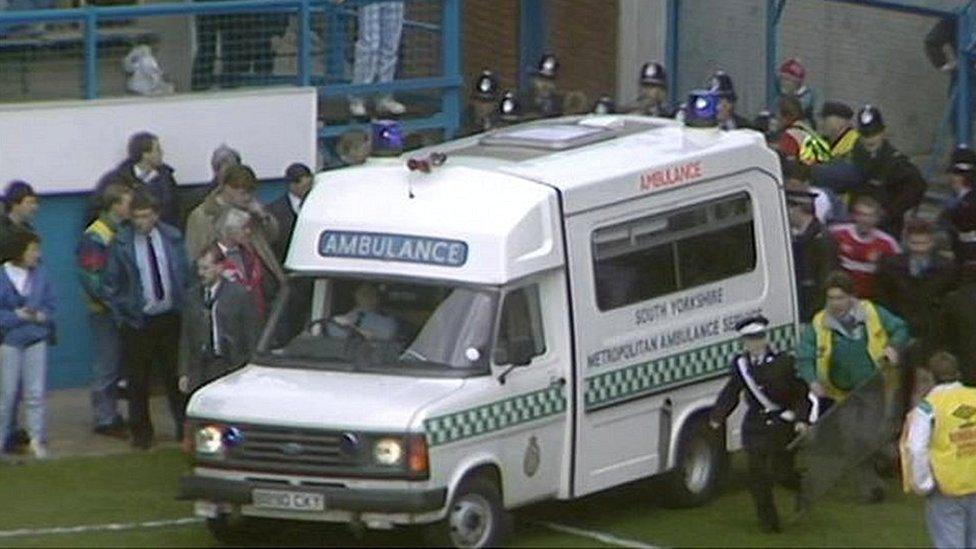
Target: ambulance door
531	362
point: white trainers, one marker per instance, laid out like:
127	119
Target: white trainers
357	107
390	105
39	450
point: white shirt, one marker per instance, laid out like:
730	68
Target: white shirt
918	440
144	175
821	205
152	305
211	296
17	275
296	203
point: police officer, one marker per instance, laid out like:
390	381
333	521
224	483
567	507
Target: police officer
509	109
653	97
483	115
887	175
721	85
778	407
961	211
545	101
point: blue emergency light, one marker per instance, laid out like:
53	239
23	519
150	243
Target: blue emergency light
702	109
387	138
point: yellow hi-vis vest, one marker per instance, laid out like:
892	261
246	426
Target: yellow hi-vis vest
952	450
813	148
877	342
843	147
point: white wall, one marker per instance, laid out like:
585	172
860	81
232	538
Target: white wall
66	147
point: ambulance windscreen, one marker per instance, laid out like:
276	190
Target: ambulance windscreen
381	326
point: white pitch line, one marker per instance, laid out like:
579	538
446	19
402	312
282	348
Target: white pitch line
602	537
115	527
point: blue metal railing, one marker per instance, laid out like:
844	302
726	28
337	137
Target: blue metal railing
448	83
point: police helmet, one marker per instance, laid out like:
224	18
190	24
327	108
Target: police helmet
548	66
963	161
604	105
653	74
510	108
486	87
721	85
869	121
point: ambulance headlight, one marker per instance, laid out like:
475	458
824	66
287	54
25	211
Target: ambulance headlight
209	441
702	109
388	451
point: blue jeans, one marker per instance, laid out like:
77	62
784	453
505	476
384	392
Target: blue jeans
951	521
840	176
105	369
26	368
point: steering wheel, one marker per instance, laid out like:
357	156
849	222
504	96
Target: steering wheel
330	320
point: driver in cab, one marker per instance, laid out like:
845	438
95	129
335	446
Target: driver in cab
365	319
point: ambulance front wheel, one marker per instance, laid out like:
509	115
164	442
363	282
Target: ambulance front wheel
228	529
476	517
700	460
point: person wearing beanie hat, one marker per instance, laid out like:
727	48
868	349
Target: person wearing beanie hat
792	83
652	99
776	407
837	125
886	174
960	213
721	86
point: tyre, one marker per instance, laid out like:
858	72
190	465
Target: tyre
475	518
701	459
228	530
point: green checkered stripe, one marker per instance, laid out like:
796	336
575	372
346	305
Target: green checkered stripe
495	416
651	377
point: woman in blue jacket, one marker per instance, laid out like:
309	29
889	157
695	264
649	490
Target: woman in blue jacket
27	327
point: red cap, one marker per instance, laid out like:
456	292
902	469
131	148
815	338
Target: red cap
793	70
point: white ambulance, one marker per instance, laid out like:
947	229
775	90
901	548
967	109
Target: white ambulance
547	314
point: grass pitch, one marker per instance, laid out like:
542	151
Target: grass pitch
142	487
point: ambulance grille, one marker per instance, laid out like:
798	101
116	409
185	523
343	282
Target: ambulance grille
284	450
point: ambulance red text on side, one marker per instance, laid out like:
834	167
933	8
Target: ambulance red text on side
674	175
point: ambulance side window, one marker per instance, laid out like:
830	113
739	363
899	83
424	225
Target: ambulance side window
656	255
520	330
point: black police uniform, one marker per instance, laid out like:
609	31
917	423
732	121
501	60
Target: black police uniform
961	211
766	432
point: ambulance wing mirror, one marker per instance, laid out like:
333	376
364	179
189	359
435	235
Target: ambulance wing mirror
520	353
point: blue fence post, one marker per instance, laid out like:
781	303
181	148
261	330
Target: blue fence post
335	52
964	67
774	9
304	43
451	61
91	53
532	39
672	48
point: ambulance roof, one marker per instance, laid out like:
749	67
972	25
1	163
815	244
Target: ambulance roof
490	214
638	155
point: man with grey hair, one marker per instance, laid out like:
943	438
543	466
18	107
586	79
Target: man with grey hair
223	158
238	260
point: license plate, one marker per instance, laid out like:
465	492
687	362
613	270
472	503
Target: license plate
287	500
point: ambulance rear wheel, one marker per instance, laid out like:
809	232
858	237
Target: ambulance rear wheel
700	460
476	517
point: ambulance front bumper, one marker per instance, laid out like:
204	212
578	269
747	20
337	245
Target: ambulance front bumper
356	500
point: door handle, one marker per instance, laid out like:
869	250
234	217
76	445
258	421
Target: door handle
557	381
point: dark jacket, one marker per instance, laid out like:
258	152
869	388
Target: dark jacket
960	216
941	35
776	377
891	179
281	210
741	123
814	257
7	229
957	328
16	331
238	327
917	300
123	285
162	187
